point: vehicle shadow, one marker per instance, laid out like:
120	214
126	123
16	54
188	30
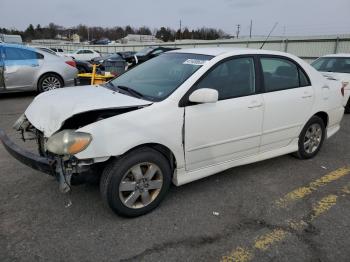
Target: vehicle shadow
17	94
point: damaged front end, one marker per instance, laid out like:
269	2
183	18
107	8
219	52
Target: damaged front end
67	169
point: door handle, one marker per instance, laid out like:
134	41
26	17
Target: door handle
306	96
255	105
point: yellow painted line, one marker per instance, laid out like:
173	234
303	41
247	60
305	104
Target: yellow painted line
304	191
323	205
264	242
240	254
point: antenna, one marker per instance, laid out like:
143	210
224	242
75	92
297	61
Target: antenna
273	28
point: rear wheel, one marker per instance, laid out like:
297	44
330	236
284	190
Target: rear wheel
136	183
49	82
311	138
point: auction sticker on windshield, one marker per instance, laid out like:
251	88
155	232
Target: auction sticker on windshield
196	62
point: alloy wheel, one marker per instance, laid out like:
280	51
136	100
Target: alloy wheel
141	185
313	138
50	83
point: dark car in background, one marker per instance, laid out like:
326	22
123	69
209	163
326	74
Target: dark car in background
113	63
148	53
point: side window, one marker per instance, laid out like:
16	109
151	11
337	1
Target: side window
88	52
304	81
279	74
232	78
80	52
12	53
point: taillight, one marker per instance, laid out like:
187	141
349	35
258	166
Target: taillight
344	84
71	63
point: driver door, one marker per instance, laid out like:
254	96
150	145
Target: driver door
231	128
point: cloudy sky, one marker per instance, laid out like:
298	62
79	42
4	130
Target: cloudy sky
294	17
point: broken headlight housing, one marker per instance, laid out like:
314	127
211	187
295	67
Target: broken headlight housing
68	142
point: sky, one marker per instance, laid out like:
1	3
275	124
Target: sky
294	17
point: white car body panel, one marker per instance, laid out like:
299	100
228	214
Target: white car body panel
344	78
270	129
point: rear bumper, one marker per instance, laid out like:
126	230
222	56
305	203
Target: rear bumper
36	162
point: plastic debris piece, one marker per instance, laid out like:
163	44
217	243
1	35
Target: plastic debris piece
324	167
68	204
216	213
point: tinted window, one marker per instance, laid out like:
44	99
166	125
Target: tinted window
332	64
88	52
81	52
232	78
12	53
304	81
279	74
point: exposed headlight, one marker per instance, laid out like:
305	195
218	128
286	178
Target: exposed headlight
68	142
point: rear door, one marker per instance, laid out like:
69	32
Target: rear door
21	66
288	99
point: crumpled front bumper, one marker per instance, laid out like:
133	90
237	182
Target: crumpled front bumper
34	161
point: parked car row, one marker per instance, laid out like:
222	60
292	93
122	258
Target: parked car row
24	68
177	118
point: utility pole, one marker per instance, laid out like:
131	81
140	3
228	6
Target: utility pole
237	32
180	29
251	28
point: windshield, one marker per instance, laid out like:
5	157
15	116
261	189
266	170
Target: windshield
144	51
157	78
332	64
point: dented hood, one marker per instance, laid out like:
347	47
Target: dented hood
49	110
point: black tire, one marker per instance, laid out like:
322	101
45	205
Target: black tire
304	153
347	107
54	78
118	169
41	144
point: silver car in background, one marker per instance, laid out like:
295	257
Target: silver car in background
24	68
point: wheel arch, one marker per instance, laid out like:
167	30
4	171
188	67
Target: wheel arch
324	116
164	150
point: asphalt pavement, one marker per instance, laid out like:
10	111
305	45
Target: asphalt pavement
282	209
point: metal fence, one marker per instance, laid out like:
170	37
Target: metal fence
304	47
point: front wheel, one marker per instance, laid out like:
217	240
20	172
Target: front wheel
311	138
136	183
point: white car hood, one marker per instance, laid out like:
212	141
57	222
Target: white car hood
49	110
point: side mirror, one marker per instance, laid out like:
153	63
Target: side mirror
204	95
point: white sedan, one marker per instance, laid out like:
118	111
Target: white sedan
336	66
180	117
84	54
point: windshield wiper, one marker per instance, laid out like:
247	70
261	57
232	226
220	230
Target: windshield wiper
131	91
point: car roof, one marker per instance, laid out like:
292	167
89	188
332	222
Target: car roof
338	55
217	51
17	46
